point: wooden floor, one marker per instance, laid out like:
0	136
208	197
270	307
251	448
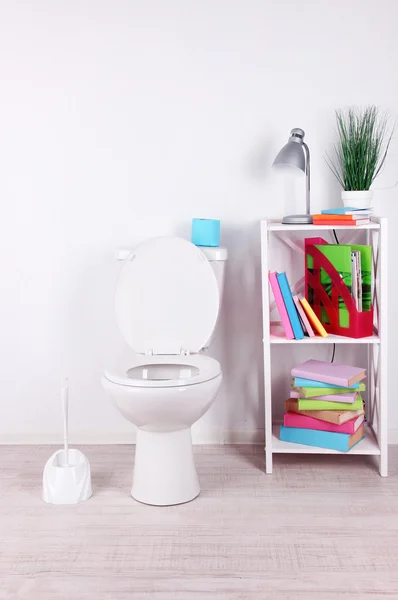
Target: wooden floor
320	528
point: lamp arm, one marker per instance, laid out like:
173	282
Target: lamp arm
308	179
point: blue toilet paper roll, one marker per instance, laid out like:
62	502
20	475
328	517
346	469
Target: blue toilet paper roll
206	232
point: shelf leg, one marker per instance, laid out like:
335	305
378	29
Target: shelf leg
266	350
383	464
268	461
383	357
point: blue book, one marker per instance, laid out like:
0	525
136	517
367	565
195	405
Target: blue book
321	439
290	306
311	383
341	211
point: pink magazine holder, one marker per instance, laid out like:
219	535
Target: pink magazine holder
360	323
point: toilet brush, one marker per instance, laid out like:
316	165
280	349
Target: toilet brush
65	403
67	474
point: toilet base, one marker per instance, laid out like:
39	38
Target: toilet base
164	469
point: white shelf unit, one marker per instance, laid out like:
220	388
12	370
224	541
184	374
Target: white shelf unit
292	236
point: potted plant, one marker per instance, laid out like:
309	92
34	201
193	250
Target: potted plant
359	154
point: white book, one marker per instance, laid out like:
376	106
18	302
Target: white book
359	278
354	279
366	212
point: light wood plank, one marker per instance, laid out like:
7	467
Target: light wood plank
319	527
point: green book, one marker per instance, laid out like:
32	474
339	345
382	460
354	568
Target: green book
340	257
325	391
308	404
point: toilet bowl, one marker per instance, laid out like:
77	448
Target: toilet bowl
167	302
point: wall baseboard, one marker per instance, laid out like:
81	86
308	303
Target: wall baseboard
217	437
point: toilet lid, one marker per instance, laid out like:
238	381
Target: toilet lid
166	298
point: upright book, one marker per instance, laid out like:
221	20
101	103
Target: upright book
304	319
321	439
281	305
313	319
290	307
333	373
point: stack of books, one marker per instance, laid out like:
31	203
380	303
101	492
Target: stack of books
297	316
325	408
346	216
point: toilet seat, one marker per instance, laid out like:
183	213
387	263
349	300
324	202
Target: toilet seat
166	298
147	372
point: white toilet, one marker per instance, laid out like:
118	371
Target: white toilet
167	301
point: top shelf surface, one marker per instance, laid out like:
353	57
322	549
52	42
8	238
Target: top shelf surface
277	225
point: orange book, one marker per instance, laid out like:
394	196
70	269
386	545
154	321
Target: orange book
313	319
338	217
339	221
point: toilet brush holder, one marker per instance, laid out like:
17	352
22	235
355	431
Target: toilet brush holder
67	478
67	474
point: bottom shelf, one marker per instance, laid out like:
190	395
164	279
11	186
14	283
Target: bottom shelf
368	445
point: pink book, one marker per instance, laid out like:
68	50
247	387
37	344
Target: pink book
351	397
303	317
303	422
333	373
281	306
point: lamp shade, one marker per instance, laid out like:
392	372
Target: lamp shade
297	154
292	154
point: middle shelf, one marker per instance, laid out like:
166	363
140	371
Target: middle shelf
278	336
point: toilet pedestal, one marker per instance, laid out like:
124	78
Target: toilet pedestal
164	469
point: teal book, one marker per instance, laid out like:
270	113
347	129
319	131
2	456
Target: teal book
321	439
311	383
344	210
290	306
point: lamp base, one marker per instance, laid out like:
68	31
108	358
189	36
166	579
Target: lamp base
297	220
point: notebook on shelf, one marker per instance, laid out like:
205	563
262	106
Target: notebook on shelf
333	373
322	439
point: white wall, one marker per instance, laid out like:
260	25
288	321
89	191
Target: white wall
123	119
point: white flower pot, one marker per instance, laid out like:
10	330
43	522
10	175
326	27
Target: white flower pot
355	199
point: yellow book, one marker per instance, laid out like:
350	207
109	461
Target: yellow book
313	319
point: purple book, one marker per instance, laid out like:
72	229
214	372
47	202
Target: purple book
351	397
320	370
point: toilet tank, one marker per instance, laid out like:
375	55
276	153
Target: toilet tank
217	258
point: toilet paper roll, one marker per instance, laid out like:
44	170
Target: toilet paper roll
206	232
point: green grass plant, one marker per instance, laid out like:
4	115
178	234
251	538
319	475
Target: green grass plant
364	138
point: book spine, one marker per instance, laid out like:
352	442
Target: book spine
304	422
341	222
310	404
312	437
300	381
349	398
303	317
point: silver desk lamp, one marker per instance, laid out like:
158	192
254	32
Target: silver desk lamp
296	154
